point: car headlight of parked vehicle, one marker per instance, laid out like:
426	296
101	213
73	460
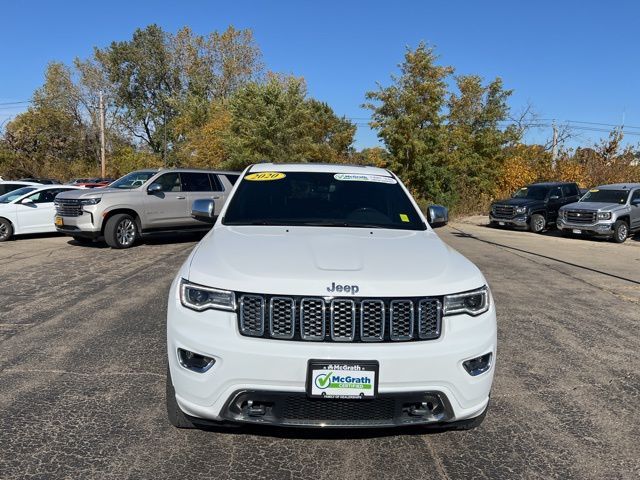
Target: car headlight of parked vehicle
90	201
198	297
521	209
474	302
604	215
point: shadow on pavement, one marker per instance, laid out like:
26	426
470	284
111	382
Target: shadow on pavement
155	239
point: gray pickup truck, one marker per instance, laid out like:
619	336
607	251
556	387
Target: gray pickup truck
608	210
140	203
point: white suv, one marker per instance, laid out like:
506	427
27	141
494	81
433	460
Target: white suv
322	297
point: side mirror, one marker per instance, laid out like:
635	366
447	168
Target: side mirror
438	216
203	210
154	188
26	201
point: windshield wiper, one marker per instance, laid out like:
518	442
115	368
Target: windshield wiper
340	224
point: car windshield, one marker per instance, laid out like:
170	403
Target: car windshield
606	196
323	200
15	194
132	180
535	192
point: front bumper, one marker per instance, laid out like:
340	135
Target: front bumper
87	225
520	221
599	228
278	368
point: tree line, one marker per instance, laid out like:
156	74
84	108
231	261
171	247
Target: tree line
183	99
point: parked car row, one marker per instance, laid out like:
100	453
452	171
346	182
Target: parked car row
611	211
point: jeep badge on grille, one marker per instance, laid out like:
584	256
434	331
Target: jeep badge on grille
343	288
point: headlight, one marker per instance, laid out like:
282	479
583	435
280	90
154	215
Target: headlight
604	215
474	302
197	297
90	201
521	209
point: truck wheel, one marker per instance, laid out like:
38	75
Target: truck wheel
177	417
6	230
121	231
537	223
620	231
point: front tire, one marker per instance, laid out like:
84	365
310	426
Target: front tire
620	231
6	230
176	417
537	223
121	231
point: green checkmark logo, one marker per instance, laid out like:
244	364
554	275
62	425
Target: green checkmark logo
323	381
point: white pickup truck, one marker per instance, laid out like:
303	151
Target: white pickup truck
322	297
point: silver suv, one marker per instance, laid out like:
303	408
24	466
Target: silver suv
140	203
607	210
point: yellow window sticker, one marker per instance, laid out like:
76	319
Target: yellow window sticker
404	217
265	176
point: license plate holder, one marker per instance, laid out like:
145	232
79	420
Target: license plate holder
59	222
576	231
501	224
342	379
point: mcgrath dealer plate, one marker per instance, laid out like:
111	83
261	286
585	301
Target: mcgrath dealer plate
59	221
342	379
575	230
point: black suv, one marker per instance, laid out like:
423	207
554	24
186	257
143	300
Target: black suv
534	206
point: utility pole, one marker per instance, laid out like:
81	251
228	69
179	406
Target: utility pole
102	148
554	145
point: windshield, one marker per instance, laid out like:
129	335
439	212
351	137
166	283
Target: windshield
606	196
533	193
323	200
15	194
132	180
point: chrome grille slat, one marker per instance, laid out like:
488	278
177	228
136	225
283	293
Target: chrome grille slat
68	207
581	216
312	319
504	211
343	320
429	315
401	313
252	315
339	319
372	319
282	317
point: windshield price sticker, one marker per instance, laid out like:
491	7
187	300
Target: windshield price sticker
336	380
265	176
354	177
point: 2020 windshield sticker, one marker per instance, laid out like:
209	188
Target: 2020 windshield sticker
265	176
356	177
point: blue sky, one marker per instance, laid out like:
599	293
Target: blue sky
572	60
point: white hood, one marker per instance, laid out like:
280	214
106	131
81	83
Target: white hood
308	260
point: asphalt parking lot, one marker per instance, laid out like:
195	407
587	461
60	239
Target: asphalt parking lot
82	372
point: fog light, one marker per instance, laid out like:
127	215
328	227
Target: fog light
478	365
195	362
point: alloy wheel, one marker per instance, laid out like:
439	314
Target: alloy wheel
126	232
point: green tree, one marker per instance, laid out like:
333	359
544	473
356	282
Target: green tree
441	142
274	121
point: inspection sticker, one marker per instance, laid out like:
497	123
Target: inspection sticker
356	177
264	176
404	217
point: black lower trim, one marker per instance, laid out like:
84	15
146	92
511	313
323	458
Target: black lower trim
298	410
169	231
76	232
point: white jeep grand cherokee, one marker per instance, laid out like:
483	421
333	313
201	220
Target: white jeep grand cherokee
322	297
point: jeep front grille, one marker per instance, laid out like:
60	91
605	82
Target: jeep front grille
339	319
504	211
581	216
68	207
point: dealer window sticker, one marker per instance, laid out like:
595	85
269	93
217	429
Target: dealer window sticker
404	217
265	176
357	177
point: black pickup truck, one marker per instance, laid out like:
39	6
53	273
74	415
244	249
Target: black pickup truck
535	206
